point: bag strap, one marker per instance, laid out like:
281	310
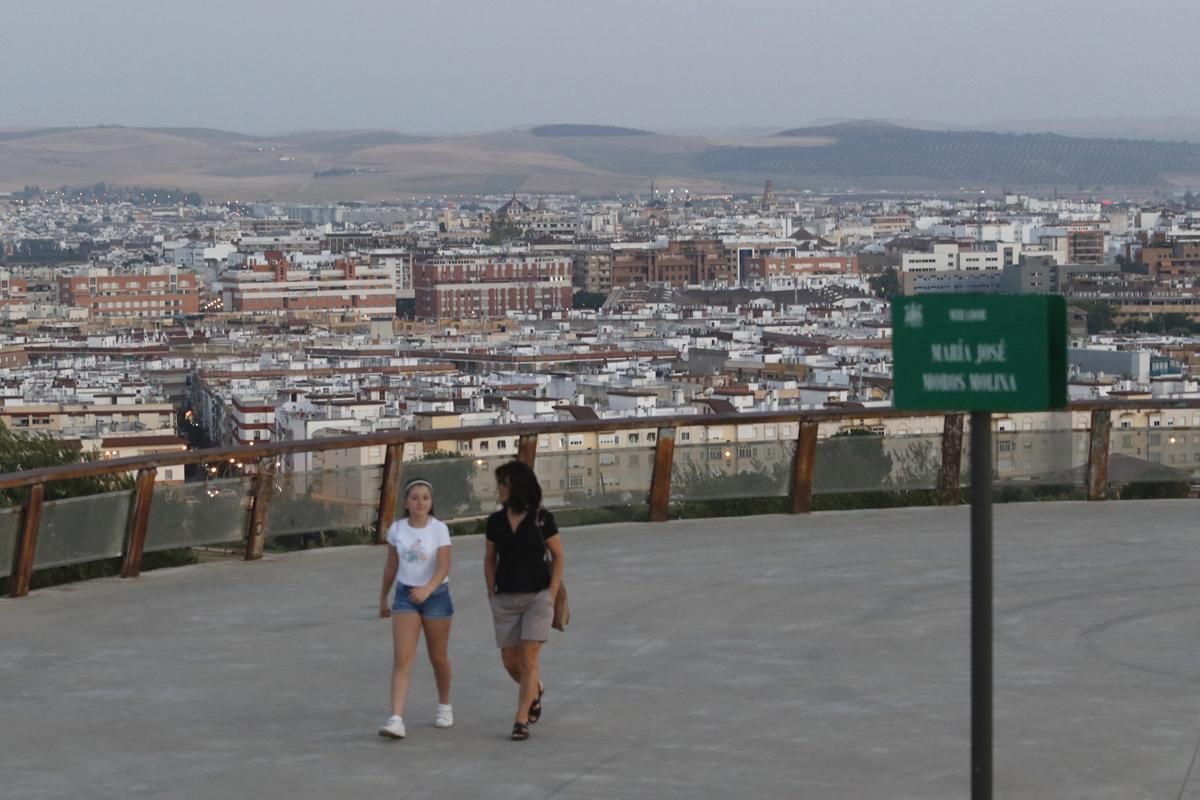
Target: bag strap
537	520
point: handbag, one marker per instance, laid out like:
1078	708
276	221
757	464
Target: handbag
562	609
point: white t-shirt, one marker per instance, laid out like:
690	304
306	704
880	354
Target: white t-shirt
417	549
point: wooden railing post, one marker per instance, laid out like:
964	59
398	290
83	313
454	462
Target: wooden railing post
527	449
660	480
389	490
1098	445
22	567
260	503
803	467
950	476
139	520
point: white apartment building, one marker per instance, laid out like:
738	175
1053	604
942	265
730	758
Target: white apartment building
949	258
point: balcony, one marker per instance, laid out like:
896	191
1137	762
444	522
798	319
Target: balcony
718	464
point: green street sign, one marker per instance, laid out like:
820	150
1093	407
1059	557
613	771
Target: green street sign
980	352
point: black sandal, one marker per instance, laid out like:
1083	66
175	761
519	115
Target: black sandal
535	709
520	731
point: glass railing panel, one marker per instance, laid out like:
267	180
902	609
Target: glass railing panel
464	486
81	529
599	478
197	514
1166	455
324	500
10	529
872	463
1039	458
731	470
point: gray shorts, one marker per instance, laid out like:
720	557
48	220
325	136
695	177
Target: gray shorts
522	617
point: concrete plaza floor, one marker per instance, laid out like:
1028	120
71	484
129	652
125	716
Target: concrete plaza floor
821	656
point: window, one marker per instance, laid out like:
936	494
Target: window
1006	447
501	444
745	451
685	436
483	446
634	438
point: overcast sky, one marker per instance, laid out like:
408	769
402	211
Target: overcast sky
264	66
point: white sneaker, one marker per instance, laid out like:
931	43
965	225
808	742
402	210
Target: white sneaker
393	728
445	716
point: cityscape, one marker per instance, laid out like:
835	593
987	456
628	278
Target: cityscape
565	401
140	326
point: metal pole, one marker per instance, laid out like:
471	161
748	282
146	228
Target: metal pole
981	605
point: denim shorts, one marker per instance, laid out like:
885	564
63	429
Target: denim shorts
437	606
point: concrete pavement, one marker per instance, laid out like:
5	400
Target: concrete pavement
823	656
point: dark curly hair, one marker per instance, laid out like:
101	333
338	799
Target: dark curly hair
524	492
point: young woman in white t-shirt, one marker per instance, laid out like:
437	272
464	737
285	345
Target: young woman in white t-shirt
416	596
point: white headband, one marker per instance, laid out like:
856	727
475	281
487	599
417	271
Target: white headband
408	487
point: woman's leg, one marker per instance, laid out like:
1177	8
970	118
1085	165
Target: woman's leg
511	656
437	640
406	630
530	678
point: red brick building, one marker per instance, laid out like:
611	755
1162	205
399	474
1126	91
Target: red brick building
275	284
491	286
150	292
1177	259
680	263
13	291
1085	247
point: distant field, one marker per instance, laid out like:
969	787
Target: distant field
583	159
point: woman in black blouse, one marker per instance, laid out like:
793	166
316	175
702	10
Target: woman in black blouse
521	584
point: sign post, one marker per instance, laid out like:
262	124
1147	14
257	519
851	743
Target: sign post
980	353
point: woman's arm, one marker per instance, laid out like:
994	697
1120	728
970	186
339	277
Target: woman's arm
421	593
555	546
389	578
489	567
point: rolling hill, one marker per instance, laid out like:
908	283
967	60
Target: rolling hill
582	159
866	152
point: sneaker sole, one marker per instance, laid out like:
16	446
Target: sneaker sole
390	735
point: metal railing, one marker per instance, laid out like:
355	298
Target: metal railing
251	498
